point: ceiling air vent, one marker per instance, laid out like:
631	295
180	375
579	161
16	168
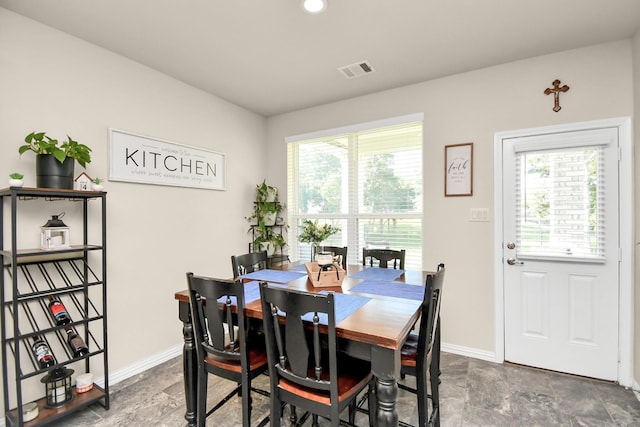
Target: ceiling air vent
356	70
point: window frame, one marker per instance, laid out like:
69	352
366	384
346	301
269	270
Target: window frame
352	218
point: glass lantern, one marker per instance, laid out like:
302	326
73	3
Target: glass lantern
54	234
58	387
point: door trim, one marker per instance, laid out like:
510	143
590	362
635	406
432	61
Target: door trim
626	265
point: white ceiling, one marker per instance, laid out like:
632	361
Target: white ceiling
271	57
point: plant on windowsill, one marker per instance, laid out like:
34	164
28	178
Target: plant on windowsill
55	161
265	211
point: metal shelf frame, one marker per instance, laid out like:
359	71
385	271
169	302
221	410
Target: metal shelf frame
28	278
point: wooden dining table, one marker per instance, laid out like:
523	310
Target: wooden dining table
374	331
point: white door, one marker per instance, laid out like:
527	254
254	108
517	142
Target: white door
561	251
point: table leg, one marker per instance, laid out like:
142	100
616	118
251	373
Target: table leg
189	364
385	364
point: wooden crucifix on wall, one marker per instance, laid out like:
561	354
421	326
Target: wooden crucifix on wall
556	94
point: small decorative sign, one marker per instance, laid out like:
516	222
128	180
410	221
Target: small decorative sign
82	182
142	159
458	172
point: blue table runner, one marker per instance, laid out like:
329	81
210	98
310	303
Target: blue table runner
276	276
251	293
344	305
390	289
375	273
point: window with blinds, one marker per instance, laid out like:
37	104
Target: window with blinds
560	201
367	182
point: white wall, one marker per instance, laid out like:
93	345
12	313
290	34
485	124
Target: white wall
471	107
52	82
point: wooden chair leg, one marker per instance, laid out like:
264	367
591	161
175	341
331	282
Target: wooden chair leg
246	403
434	379
423	400
352	412
373	403
275	412
201	406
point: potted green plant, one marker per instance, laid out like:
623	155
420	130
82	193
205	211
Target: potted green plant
266	193
314	233
266	239
265	211
97	184
55	161
267	205
15	179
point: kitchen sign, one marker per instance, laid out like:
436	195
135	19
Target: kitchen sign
146	160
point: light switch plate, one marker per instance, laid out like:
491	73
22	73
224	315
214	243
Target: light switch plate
479	214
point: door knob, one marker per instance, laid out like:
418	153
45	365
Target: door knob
513	261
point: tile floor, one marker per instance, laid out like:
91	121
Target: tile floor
473	393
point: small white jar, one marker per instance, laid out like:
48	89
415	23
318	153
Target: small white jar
30	411
84	382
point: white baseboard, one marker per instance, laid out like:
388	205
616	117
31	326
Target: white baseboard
470	352
141	366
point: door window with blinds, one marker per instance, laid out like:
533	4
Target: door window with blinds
560	200
366	180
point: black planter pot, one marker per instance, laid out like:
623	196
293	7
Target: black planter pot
50	173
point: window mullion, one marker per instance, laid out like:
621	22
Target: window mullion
352	220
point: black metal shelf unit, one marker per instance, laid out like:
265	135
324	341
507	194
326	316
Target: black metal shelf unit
76	276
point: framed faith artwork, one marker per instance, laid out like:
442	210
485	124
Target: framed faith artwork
458	170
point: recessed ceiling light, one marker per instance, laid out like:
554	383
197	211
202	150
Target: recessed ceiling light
314	6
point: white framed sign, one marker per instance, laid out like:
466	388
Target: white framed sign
146	160
458	170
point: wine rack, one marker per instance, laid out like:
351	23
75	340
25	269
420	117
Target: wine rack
74	275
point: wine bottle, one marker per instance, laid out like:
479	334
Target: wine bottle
59	311
78	347
43	353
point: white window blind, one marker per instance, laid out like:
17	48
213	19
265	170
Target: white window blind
367	182
560	202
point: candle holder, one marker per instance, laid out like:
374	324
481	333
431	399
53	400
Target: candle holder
54	234
57	385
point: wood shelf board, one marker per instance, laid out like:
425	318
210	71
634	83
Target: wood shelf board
62	253
48	415
57	193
